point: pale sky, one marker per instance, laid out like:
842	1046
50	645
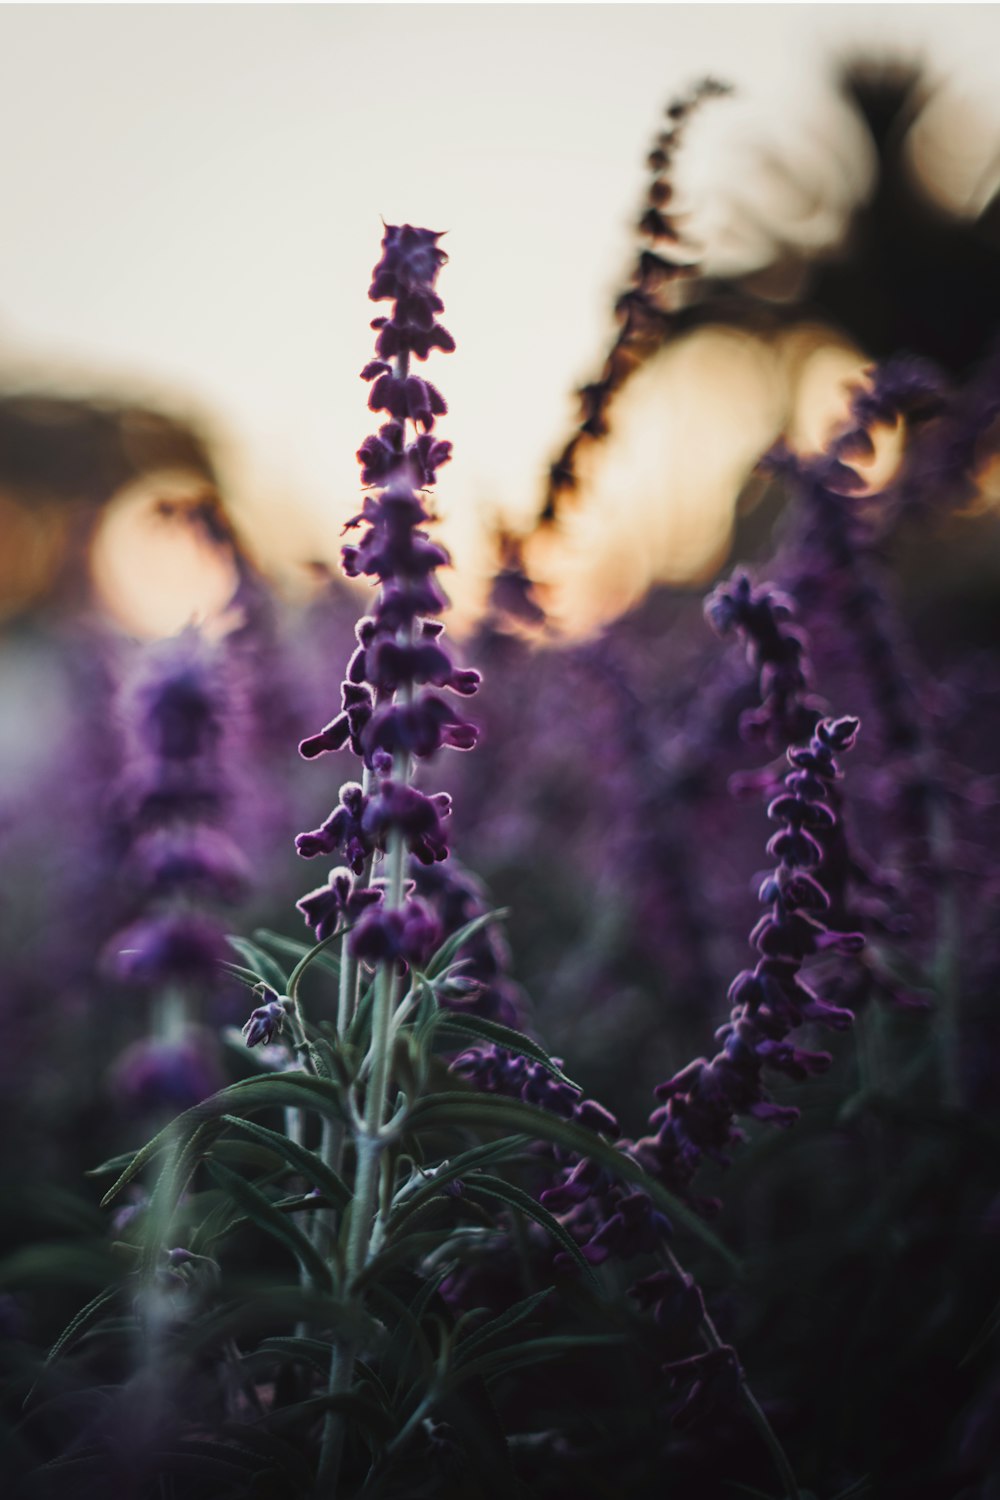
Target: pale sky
192	199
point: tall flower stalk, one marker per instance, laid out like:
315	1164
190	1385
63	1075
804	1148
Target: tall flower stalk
392	715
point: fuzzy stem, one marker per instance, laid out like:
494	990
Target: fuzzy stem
712	1340
946	956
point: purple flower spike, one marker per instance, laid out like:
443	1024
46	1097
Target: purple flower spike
702	1102
391	703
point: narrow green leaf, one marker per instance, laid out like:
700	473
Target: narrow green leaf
113	1164
271	1090
262	1444
361	1019
318	951
456	1166
982	1338
533	1351
257	959
245	976
207	1461
521	1202
450	946
356	1404
314	1352
246	1153
856	1491
510	1318
287	947
58	1262
471	1110
309	1163
74	1328
267	1217
501	1036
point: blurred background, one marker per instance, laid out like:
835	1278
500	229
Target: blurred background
193	205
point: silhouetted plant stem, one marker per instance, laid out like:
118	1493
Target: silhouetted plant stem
713	1340
946	965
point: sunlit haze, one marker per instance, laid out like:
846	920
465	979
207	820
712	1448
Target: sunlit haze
193	200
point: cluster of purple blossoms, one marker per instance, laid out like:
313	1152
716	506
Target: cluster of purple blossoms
393	709
776	651
176	857
770	1001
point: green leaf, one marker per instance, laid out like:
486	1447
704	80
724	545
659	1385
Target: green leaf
856	1491
287	947
318	951
207	1461
272	1221
456	1166
301	1090
533	1351
982	1338
76	1326
246	1153
258	960
113	1164
361	1018
495	1188
484	1111
315	1352
309	1163
450	946
502	1036
498	1325
245	976
58	1262
355	1404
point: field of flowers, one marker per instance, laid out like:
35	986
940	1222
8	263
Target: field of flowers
607	1106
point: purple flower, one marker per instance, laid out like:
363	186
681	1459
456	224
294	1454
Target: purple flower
167	946
408	934
265	1023
341	900
154	1075
179	700
191	857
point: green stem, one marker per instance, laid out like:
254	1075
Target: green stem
946	956
712	1340
368	1152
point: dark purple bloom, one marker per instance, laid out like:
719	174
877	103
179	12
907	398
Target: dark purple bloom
191	857
776	650
168	946
342	833
265	1023
158	1075
341	900
179	700
418	818
408	934
419	728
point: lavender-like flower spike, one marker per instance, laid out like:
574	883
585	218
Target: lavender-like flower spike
777	650
703	1101
392	705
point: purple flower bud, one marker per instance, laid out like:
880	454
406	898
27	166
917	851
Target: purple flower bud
265	1023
